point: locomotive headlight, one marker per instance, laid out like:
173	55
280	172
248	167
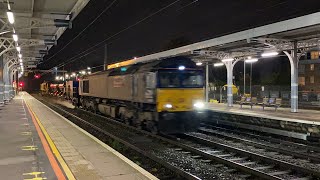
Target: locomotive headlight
198	105
169	106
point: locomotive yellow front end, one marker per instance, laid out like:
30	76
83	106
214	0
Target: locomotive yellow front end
180	98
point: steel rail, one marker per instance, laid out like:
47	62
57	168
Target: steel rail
254	156
264	146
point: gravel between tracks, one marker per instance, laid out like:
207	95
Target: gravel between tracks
275	155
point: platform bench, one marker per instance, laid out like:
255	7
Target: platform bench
271	102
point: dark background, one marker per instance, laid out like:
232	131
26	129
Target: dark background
127	34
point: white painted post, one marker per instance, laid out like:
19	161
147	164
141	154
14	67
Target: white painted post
207	82
293	58
244	78
1	81
229	66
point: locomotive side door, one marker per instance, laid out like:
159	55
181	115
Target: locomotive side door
150	80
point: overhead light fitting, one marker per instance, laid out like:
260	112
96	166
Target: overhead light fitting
227	60
269	54
10	17
15	37
20	60
251	60
18	48
199	63
181	68
218	64
20	56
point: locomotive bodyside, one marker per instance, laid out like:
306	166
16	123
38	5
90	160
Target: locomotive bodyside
136	95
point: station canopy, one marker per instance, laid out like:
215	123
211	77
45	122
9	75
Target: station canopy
279	36
38	24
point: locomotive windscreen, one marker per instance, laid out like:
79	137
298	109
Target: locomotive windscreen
180	79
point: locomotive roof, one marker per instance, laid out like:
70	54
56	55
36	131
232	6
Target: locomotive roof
168	63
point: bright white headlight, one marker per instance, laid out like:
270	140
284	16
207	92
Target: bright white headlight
199	105
169	106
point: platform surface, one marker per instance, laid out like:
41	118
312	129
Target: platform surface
22	155
78	154
284	114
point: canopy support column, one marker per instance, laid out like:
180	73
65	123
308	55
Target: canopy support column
229	66
207	82
294	60
1	81
7	84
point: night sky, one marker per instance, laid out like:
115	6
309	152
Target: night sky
183	22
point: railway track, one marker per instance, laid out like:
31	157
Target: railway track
253	163
296	150
187	158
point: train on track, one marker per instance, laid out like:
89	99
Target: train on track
164	95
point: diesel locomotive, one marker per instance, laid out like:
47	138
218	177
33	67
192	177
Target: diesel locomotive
163	95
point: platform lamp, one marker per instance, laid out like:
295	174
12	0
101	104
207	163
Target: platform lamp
251	61
10	17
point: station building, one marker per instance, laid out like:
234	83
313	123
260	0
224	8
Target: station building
309	76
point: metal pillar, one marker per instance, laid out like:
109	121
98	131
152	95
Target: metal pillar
294	60
244	78
11	90
250	79
6	80
207	82
11	82
1	82
229	66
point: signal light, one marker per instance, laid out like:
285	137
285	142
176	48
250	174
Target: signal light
37	76
21	84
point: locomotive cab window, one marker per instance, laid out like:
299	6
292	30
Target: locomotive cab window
85	86
169	79
178	79
192	79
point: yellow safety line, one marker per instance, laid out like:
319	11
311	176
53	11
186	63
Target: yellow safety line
52	146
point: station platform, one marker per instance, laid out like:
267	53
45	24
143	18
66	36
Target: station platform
300	125
38	143
303	116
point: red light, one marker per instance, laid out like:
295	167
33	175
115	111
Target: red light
37	76
21	84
